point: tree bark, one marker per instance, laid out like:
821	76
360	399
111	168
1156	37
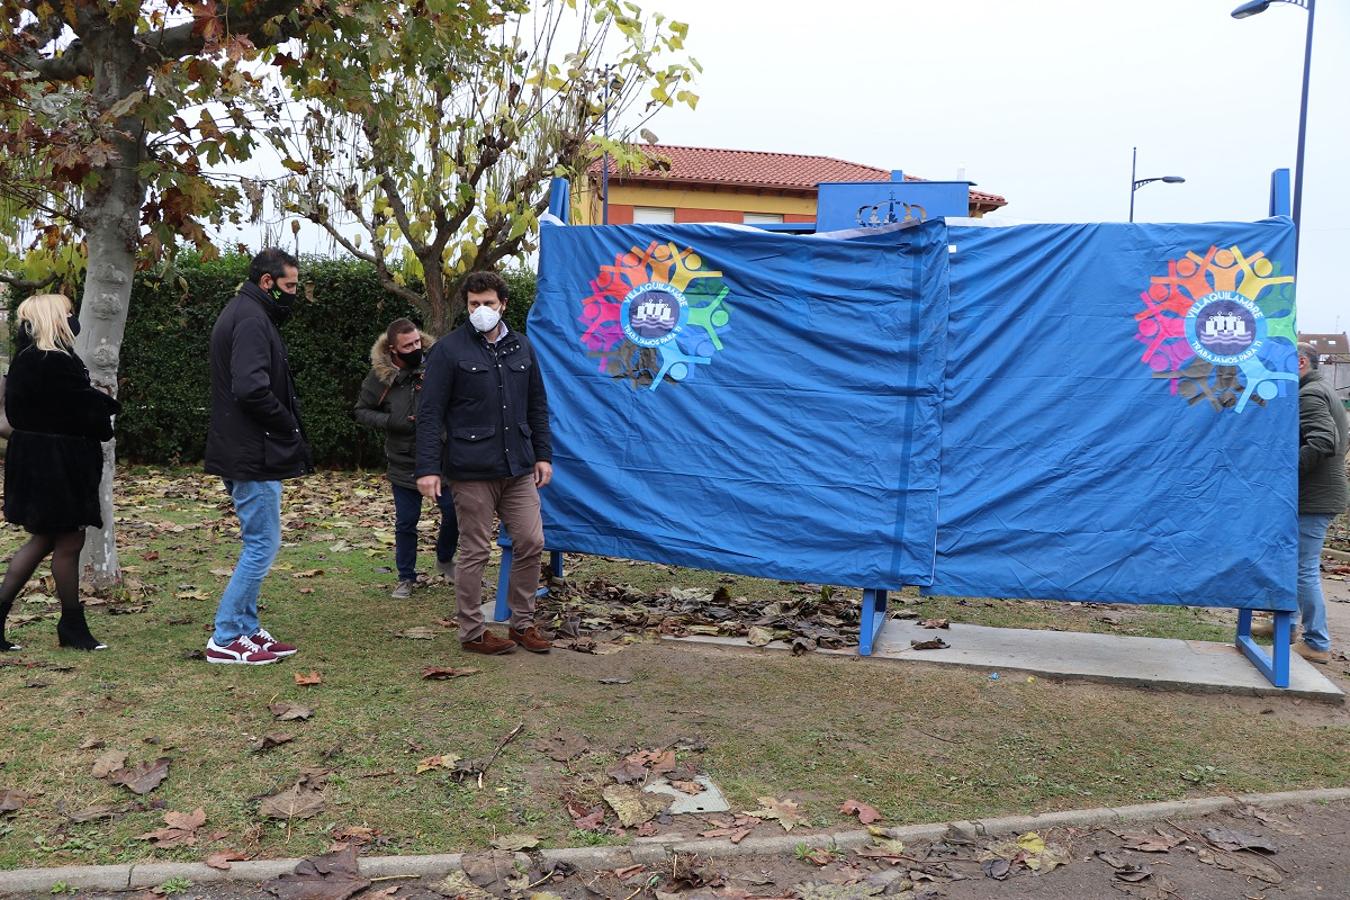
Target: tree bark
111	216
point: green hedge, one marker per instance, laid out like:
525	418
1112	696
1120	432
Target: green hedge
164	378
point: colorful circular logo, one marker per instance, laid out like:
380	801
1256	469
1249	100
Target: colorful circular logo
1219	328
656	316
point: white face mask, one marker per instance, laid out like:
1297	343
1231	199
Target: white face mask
485	318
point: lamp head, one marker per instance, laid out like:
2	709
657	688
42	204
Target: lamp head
1173	179
1251	8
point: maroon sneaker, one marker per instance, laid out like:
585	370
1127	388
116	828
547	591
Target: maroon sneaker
531	639
239	652
263	638
489	644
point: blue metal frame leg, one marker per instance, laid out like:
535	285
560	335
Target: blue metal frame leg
501	612
873	618
1275	664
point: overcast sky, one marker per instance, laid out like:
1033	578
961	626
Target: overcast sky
1041	102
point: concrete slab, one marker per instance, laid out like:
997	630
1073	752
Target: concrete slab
709	800
1142	662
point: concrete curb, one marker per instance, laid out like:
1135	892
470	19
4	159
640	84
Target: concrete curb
646	850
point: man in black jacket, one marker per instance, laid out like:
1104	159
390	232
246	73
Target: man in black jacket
484	392
255	441
388	402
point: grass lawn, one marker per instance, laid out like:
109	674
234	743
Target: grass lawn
918	742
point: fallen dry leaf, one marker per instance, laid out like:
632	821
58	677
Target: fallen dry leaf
290	711
222	859
441	761
1228	839
866	814
308	573
930	644
109	762
1150	843
143	778
93	813
443	672
308	678
629	772
494	871
457	886
181	829
758	636
302	800
935	623
514	842
786	812
354	834
634	806
591	820
333	876
268	741
736	835
418	633
11	801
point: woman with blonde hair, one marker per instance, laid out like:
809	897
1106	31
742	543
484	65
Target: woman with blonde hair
54	460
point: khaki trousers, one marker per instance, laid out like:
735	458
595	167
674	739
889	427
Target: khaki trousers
516	502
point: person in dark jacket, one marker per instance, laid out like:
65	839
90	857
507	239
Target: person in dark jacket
1323	494
388	402
483	427
54	461
255	441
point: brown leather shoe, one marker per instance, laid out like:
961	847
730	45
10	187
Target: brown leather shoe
489	644
531	639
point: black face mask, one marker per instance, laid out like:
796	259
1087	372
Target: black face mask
412	359
281	306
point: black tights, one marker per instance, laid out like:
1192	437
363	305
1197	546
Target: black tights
64	547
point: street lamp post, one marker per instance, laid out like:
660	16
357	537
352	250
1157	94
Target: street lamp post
1255	7
1136	183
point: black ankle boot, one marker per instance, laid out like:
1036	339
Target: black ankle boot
4	614
73	631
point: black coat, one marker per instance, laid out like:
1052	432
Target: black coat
388	402
256	433
1322	444
489	402
55	459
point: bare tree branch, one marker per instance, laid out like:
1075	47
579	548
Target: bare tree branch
29	284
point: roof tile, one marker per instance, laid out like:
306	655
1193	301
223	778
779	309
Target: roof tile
759	169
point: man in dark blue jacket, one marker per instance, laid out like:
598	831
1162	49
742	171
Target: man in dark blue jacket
255	441
482	426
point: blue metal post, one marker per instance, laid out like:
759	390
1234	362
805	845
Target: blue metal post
502	610
1273	665
1279	192
872	620
1302	134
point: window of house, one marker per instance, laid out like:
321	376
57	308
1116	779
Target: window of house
653	215
763	219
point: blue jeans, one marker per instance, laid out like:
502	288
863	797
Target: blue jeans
1312	531
258	505
407	512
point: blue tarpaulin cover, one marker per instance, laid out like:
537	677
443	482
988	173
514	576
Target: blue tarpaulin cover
1121	415
1105	412
743	401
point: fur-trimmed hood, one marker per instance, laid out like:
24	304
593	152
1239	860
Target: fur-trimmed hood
382	361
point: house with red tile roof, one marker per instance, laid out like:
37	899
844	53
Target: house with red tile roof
703	184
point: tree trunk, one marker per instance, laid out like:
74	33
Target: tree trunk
111	218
